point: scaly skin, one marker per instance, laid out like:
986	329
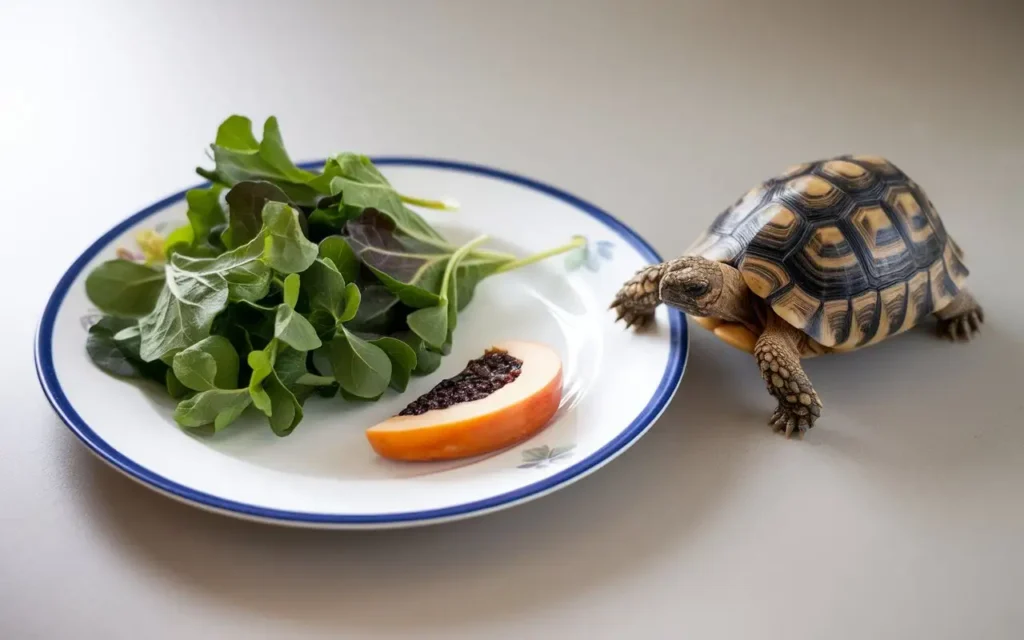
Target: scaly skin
639	297
696	285
778	357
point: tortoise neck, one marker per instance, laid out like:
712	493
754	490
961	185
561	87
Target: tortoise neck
736	303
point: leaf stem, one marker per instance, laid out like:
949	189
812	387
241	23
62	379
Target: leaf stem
212	176
441	205
492	255
453	263
543	255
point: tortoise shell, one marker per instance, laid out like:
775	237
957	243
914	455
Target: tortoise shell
849	250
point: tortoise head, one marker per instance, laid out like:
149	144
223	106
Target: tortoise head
694	284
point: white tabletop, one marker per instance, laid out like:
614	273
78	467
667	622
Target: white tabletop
900	516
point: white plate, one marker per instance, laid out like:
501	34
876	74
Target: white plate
324	474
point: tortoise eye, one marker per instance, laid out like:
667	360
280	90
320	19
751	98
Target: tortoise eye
696	289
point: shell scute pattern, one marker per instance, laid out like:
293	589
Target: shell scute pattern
848	249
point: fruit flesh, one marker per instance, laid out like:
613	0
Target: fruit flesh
507	416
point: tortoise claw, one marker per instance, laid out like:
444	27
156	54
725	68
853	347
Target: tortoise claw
963	327
961	320
635	319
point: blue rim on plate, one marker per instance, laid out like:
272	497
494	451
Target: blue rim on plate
58	400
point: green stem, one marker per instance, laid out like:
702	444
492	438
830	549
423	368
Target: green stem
314	380
272	348
492	255
212	176
543	255
441	205
453	263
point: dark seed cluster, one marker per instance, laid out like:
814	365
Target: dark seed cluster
479	379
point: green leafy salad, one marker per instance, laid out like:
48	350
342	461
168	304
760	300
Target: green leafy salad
284	283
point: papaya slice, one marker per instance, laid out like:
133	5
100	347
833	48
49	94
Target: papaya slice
499	399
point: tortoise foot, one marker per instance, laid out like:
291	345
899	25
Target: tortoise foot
799	404
793	421
961	319
963	327
637	300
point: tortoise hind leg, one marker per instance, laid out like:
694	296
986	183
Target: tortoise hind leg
778	356
961	318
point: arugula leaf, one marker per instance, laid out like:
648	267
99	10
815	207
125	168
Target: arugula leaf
362	369
174	387
341	255
238	334
130	340
377	310
124	288
290	366
184	311
204	215
291	328
219	407
286	248
430	324
328	218
427	361
286	387
353	298
236	133
290	369
286	411
249	325
117	356
238	157
245	210
242	269
292	284
211	363
262	366
408	268
403	361
362	186
326	287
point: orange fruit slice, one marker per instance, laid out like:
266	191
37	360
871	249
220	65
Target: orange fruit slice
435	428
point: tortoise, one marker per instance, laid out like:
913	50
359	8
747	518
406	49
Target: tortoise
827	257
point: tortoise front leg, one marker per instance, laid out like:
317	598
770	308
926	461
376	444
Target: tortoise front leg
778	357
636	301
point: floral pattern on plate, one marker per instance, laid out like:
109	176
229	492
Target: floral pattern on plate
543	456
590	255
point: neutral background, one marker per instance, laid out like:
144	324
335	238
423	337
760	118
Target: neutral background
901	516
